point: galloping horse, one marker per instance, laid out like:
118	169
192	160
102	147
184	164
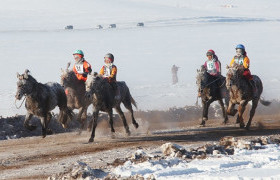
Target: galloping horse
40	100
75	92
101	93
241	92
211	91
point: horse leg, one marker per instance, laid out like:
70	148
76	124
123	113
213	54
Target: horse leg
26	124
44	125
129	107
49	117
241	109
206	105
79	118
110	113
230	110
95	117
252	113
118	109
224	111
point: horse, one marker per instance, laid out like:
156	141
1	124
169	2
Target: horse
40	100
75	92
102	95
211	90
241	92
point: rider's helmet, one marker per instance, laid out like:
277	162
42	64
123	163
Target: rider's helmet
240	46
240	49
80	52
210	52
110	56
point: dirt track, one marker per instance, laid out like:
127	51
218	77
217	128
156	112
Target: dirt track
37	158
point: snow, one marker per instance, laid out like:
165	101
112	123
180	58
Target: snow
263	163
177	32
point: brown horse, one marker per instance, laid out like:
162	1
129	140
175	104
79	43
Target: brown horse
40	100
241	92
102	95
75	92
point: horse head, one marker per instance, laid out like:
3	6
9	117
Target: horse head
67	77
25	84
201	73
93	84
234	74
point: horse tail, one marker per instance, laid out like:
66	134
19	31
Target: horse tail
264	102
133	101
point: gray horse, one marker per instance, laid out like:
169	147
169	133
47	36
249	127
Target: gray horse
102	95
75	92
211	90
241	92
41	99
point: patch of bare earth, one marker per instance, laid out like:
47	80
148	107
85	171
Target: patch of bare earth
37	158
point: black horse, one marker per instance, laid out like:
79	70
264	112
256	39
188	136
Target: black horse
211	89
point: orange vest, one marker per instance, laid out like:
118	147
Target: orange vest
113	75
80	72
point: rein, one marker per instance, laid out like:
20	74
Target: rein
21	102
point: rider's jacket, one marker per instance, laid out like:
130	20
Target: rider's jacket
109	72
213	66
241	60
82	68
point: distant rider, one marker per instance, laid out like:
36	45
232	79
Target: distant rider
213	68
81	67
241	58
109	72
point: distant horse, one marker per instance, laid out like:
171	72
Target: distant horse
241	92
211	91
103	98
41	99
75	92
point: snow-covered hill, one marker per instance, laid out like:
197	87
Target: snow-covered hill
177	32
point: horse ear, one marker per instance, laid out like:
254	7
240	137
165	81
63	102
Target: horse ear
62	70
67	67
18	75
227	66
26	73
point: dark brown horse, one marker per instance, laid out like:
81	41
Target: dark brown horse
211	90
241	92
75	92
40	100
102	95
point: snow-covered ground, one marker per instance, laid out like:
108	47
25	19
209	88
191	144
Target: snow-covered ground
263	163
177	32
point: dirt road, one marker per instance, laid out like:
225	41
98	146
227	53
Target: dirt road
37	158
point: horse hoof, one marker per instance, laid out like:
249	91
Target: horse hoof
30	127
64	126
44	135
112	130
128	133
242	125
204	119
49	131
90	140
247	128
202	124
136	125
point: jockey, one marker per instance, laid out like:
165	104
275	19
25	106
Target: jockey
213	68
109	72
212	64
81	67
242	59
